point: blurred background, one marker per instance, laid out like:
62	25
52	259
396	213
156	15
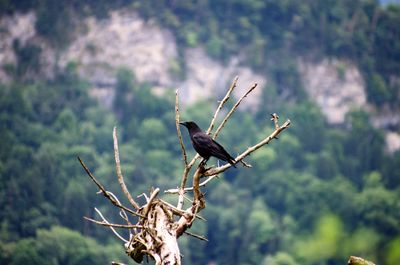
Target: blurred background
327	189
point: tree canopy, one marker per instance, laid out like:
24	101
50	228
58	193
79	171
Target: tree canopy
327	190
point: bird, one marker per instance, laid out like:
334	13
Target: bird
205	146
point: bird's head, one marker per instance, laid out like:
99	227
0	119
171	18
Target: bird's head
190	125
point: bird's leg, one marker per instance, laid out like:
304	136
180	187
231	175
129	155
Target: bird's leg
203	162
202	165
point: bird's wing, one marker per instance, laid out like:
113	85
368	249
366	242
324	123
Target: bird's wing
206	147
223	154
203	144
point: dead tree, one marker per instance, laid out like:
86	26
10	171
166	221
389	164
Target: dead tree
158	224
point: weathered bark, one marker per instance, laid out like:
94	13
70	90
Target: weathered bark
158	238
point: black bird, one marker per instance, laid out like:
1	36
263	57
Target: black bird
205	145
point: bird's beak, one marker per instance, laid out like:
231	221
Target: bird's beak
183	123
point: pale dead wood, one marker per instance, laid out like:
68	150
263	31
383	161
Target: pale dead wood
233	109
186	167
222	103
112	228
156	232
119	171
196	236
178	128
112	224
104	192
174	191
151	199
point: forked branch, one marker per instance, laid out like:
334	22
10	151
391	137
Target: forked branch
158	224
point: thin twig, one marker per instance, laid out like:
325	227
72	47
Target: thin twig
122	212
233	109
172	208
111	224
196	236
186	169
245	164
106	193
178	127
143	195
222	103
112	229
117	263
180	212
174	191
119	172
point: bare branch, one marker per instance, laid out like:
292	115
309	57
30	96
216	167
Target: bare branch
143	195
178	127
119	172
122	213
196	236
186	169
273	135
245	164
180	212
233	109
222	103
174	191
111	224
104	192
112	229
156	232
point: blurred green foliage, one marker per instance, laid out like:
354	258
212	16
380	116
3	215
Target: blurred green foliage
315	190
315	196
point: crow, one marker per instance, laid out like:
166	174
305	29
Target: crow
205	146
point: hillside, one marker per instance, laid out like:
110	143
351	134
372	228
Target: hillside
151	53
70	72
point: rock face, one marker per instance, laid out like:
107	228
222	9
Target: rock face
122	40
208	78
125	40
18	26
392	141
151	53
336	86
